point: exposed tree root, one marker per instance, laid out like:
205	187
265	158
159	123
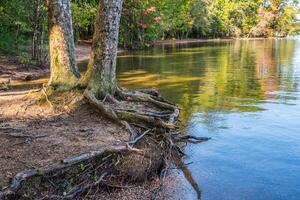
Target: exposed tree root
17	133
134	116
76	169
46	96
153	121
16	184
156	120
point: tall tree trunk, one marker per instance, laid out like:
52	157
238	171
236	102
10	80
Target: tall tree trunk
37	33
64	71
101	73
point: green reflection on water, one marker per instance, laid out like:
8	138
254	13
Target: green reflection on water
231	76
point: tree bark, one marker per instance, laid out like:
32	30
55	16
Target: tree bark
64	71
37	33
101	73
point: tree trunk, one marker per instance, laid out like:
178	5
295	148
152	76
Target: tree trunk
101	73
37	33
64	71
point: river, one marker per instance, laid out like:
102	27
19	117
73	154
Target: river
244	94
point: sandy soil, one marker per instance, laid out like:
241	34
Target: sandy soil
35	136
83	52
20	76
175	187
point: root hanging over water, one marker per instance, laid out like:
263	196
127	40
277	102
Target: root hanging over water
144	109
160	115
155	143
121	111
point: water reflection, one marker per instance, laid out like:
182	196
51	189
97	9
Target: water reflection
228	76
245	95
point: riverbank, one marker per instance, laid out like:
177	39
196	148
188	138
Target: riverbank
189	41
35	135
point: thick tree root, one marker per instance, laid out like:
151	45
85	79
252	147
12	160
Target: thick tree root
150	118
16	184
156	120
95	168
73	166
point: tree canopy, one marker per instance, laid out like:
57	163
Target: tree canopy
144	21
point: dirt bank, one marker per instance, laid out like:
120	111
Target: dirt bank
35	135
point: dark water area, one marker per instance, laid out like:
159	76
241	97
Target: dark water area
243	94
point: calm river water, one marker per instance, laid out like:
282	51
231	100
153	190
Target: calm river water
245	95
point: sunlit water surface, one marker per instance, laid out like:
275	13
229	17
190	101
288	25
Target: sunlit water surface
242	94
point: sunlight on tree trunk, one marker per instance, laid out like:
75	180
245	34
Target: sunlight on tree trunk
64	71
101	74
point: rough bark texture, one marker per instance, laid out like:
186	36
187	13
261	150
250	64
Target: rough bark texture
101	74
37	33
64	71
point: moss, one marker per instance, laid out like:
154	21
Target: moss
4	86
128	116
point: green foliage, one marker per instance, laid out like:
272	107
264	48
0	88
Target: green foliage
83	16
25	58
82	167
139	23
16	24
285	23
144	21
176	18
201	18
4	86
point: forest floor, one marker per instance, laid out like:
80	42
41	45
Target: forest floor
33	135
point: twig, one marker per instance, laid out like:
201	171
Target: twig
117	186
138	138
77	190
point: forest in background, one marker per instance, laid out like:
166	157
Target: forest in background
24	23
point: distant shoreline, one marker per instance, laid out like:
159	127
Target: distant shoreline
83	48
187	41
